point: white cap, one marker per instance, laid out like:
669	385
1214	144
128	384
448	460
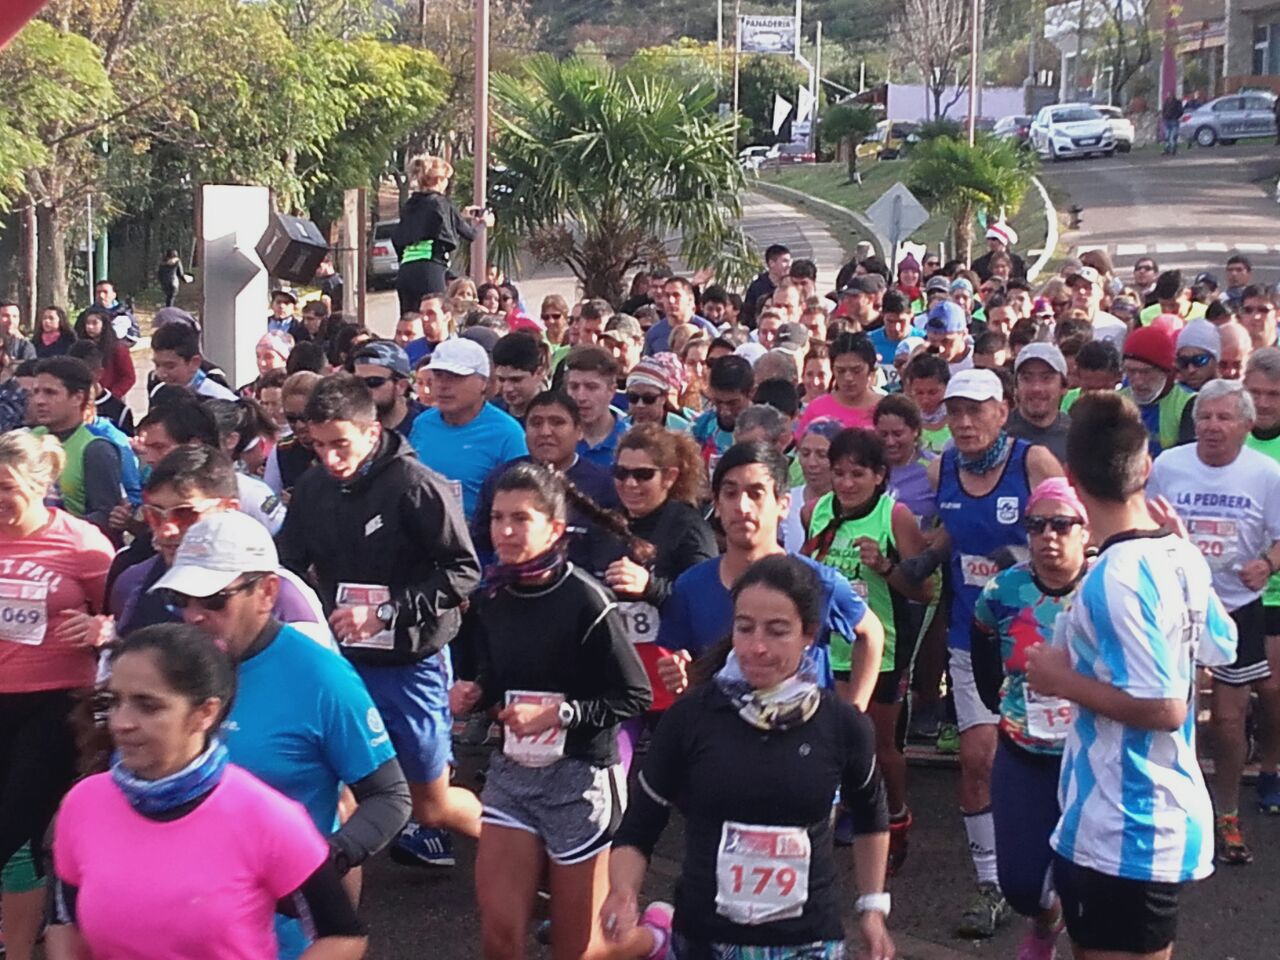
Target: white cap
750	351
1045	353
979	385
217	550
460	356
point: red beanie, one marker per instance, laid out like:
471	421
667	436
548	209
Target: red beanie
1155	345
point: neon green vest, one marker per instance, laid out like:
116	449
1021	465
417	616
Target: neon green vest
1270	448
71	480
845	557
1172	405
934	439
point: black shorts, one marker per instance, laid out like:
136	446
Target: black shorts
1109	913
1272	617
37	765
1251	663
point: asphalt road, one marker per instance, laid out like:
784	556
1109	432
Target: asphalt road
413	913
1190	211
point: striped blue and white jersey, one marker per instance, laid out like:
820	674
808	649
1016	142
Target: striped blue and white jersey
1133	801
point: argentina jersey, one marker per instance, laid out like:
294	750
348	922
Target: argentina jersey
1133	801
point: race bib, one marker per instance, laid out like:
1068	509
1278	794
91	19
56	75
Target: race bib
455	487
537	751
366	595
762	873
24	611
1217	540
859	587
976	571
1048	718
640	621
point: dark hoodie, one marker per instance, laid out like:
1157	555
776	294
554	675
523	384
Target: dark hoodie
396	525
431	216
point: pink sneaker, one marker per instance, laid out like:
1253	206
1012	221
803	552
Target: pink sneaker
1039	946
657	917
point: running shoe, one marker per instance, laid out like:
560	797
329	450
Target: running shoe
1231	845
898	841
1269	793
419	846
1039	944
842	836
988	911
948	739
657	917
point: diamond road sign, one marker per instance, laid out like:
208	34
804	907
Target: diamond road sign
897	214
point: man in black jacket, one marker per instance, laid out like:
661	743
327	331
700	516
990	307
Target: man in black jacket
387	548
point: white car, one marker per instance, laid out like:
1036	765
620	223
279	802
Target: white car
1071	130
752	158
1121	126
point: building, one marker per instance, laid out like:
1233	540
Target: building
1252	44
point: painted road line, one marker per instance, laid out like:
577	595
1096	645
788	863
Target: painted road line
1212	247
1253	248
1131	249
1172	248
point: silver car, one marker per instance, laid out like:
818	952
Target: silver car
1231	118
384	263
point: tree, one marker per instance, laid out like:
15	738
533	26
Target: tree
950	176
933	37
600	170
761	77
850	125
688	64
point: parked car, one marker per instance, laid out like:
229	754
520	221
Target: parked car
1071	130
1228	119
1016	127
751	158
384	263
1121	126
785	154
890	140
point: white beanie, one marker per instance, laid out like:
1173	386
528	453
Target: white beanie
1200	334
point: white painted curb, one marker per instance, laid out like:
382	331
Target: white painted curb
1051	232
808	199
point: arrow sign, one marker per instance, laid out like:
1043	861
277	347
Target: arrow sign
897	215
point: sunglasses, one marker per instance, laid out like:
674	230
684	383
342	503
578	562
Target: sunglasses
638	474
184	514
932	263
294	417
1199	361
553	316
215	602
1060	525
648	399
373	383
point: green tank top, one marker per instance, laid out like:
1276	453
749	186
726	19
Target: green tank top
845	556
1270	448
71	481
934	439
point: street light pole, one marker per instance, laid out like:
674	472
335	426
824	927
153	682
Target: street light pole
973	70
480	149
737	55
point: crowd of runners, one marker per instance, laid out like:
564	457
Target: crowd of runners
704	551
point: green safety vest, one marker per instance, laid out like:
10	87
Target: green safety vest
1172	405
934	439
71	481
1271	448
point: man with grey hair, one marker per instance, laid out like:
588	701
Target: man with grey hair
764	424
1228	497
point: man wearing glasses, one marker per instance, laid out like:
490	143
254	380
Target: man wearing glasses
1199	347
384	368
1258	314
1145	272
930	265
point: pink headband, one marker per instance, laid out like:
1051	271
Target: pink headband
1059	489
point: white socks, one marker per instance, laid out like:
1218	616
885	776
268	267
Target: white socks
981	830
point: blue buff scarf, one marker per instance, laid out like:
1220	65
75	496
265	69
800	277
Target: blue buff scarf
781	707
155	797
990	458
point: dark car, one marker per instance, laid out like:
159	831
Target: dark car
1016	127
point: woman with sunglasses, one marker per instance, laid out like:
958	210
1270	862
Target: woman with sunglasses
143	855
1015	612
553	658
654	388
861	531
51	594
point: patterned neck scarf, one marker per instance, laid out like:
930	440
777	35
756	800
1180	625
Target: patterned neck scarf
989	459
154	797
540	569
783	707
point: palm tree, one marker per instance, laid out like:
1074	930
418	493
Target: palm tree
948	174
600	171
850	125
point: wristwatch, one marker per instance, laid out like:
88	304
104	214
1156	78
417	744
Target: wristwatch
873	902
386	612
566	714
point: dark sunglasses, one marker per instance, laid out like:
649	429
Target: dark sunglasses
1197	362
648	399
553	316
215	602
1060	525
373	383
932	263
295	417
638	474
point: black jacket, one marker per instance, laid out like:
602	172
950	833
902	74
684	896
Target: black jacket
431	216
682	539
396	525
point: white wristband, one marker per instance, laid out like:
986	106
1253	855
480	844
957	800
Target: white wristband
877	902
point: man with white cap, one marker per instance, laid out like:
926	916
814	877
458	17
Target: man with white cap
463	436
1086	295
983	483
1039	384
1000	239
1199	347
302	720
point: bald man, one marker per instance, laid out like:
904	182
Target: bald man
1236	347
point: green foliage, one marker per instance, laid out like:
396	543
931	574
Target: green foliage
939	127
760	78
849	124
599	169
687	64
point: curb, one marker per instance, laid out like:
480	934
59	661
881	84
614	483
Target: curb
1051	232
804	199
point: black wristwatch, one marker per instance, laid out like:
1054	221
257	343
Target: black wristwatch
386	612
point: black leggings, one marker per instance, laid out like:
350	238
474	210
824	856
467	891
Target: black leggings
418	278
37	766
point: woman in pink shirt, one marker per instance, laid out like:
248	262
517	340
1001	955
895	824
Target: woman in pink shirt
53	570
175	852
852	400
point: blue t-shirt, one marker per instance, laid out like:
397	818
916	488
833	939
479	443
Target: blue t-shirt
699	612
416	350
886	348
467	454
602	453
303	723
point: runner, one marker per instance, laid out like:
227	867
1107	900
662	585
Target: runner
815	469
1015	612
730	382
1135	812
388	548
752	759
1150	358
175	349
149	839
385	369
853	395
555	658
1229	498
924	380
292	456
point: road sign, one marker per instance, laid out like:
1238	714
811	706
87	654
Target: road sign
897	215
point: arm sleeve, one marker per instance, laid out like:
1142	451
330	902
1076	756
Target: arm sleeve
382	808
660	781
435	518
697	544
611	661
861	786
461	225
291	543
984	647
126	375
102	482
847	608
326	905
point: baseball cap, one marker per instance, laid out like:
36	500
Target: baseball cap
979	385
486	337
167	315
384	353
623	325
906	346
937	284
285	293
1208	279
460	356
217	550
793	338
1092	276
961	283
1045	353
868	283
750	351
946	317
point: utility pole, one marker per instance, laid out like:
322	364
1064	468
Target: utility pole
719	49
480	150
815	88
737	55
973	69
